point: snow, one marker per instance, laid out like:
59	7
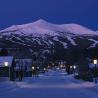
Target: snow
71	40
42	32
94	44
53	84
77	29
91	65
39	42
18	38
36	40
42	27
36	28
50	42
21	43
45	51
63	43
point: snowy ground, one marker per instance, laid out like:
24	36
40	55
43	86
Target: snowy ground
53	84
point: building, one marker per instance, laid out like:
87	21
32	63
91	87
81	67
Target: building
6	65
25	65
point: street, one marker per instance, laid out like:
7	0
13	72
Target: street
52	84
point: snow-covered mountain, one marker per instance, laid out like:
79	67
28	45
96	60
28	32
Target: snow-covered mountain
44	27
44	37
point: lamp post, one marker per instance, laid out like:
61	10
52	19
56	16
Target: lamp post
33	68
74	67
95	63
71	69
6	64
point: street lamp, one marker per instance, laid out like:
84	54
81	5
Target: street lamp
95	63
74	67
6	64
33	67
44	69
61	66
37	67
70	66
71	69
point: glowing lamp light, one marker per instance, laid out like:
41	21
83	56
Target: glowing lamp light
44	68
95	61
61	66
58	68
33	68
53	64
70	66
74	67
6	64
37	67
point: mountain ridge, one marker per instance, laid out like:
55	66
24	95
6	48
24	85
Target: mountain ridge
44	26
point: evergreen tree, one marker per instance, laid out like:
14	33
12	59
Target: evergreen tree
4	52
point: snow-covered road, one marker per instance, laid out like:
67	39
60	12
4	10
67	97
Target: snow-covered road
53	84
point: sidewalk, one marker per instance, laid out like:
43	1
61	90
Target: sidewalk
6	85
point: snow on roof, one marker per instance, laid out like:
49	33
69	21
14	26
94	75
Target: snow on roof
91	65
8	59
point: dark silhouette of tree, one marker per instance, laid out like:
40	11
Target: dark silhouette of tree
4	52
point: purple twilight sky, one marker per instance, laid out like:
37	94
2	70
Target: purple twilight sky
84	12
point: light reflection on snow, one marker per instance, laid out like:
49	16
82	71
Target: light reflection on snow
66	86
